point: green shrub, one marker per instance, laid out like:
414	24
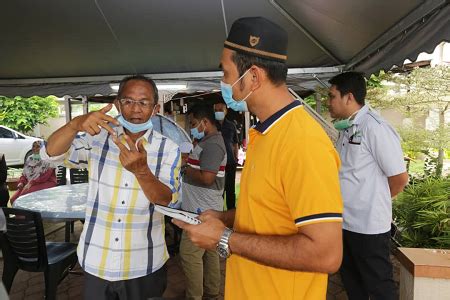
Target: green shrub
23	114
422	213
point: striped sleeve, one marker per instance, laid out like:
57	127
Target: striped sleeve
318	218
76	157
78	154
213	158
169	173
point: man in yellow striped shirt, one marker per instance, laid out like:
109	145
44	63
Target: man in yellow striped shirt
131	167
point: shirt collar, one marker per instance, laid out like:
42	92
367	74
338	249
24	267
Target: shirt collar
359	115
265	126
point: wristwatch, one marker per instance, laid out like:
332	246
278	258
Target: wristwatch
222	247
183	169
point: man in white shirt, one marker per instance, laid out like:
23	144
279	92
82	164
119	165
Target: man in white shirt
372	172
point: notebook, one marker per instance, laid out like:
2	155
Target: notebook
178	214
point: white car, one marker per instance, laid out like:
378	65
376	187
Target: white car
15	146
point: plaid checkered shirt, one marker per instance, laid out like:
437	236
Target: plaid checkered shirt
123	237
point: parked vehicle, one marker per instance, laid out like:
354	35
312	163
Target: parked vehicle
15	145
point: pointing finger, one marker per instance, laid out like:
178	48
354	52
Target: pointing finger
130	143
106	108
108	128
141	148
110	119
120	144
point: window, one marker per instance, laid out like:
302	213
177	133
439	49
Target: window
6	134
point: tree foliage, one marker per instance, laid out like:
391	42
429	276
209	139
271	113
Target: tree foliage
23	114
415	94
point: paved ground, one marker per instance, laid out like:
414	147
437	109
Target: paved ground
31	285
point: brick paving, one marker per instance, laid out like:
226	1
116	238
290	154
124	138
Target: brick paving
29	285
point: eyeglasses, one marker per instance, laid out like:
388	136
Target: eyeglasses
140	103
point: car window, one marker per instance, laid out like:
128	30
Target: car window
6	134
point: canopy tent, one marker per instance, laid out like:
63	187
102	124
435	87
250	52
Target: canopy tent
170	129
78	47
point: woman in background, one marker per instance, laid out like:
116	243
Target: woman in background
37	174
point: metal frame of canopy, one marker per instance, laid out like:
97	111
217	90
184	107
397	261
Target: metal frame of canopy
428	19
101	85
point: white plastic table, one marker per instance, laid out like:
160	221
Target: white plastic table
63	203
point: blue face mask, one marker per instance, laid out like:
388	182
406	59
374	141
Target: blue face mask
196	134
227	95
219	115
135	128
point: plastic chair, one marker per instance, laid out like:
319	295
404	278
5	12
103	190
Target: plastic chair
24	248
61	176
76	176
79	176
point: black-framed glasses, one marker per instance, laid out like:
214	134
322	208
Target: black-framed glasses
140	103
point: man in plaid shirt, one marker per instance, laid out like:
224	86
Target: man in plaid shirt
131	167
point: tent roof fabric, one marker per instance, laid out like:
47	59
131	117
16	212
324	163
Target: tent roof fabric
49	46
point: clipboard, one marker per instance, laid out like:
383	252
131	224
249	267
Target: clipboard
178	214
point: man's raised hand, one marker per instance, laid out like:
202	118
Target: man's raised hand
133	159
92	122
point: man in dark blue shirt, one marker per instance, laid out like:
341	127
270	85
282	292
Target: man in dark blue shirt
229	134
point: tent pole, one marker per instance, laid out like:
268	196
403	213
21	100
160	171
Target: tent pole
67	108
85	102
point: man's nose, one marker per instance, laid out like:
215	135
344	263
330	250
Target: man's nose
135	106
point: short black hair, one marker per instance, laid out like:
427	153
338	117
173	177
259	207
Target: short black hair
200	111
150	81
276	71
351	82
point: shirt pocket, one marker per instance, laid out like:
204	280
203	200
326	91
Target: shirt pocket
353	153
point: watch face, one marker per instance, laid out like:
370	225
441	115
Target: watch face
222	251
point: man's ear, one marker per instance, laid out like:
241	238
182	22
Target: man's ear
156	109
258	75
351	98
